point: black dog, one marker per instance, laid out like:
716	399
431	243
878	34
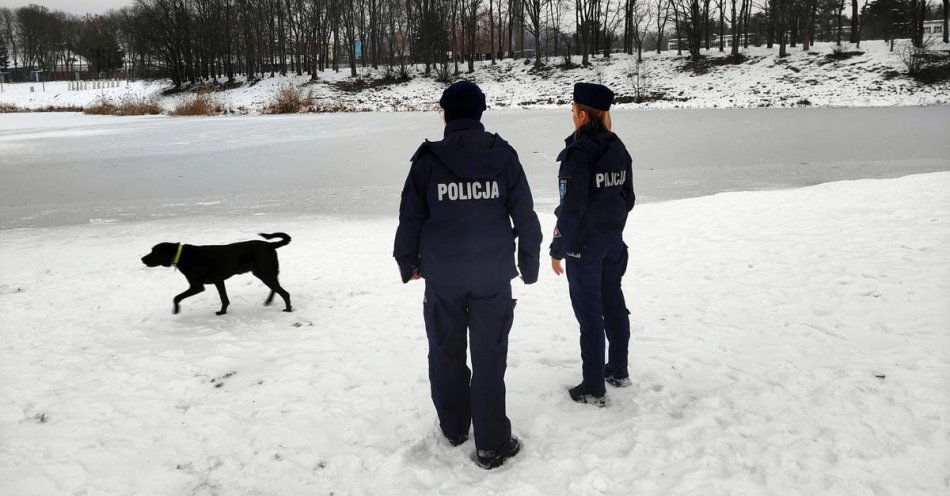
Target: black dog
212	264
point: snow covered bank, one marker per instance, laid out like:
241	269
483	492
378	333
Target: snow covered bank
785	342
874	77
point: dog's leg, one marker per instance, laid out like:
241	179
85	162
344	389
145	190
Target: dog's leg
286	296
191	291
224	298
271	282
270	298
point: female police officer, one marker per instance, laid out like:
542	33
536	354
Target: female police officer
455	231
596	191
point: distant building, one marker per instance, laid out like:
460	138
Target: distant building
934	27
674	43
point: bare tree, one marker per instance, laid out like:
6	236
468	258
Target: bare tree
533	10
559	8
638	15
854	21
471	20
720	7
610	20
735	23
780	9
662	16
809	15
585	14
864	10
8	26
946	18
491	29
688	17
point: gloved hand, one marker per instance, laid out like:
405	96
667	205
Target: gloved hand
409	272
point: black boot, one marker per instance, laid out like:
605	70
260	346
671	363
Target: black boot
617	378
489	459
592	396
456	440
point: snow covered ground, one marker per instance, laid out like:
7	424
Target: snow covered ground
873	78
784	342
74	169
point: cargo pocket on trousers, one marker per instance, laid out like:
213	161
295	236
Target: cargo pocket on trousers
431	321
624	259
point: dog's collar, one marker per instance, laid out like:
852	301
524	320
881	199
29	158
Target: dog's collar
177	256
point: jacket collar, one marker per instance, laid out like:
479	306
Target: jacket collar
463	125
584	131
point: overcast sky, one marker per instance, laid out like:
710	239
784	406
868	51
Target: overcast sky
74	6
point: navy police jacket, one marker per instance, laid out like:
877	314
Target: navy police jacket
458	205
596	189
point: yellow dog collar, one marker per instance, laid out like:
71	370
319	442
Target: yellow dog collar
177	256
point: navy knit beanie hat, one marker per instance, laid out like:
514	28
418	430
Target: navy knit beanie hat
462	100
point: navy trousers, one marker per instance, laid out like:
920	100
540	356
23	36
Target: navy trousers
599	306
463	397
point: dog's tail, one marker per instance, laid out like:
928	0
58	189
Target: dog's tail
284	239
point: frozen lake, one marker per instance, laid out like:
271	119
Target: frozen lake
61	169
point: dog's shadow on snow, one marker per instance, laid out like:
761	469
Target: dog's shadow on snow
242	317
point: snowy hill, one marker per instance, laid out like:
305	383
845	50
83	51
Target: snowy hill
784	342
869	76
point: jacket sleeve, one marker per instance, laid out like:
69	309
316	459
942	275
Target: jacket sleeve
574	182
628	193
412	214
527	228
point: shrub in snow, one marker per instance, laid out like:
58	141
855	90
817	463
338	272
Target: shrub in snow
639	80
917	58
290	100
201	103
127	105
442	72
9	108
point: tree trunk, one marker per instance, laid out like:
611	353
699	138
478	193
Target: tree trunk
722	20
781	26
854	21
747	8
806	39
840	8
946	32
735	31
794	32
706	23
491	30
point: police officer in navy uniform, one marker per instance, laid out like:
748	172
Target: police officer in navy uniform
464	204
596	190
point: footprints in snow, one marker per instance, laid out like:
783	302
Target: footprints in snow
219	381
6	289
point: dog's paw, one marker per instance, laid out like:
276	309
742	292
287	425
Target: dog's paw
175	310
268	303
288	309
222	312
